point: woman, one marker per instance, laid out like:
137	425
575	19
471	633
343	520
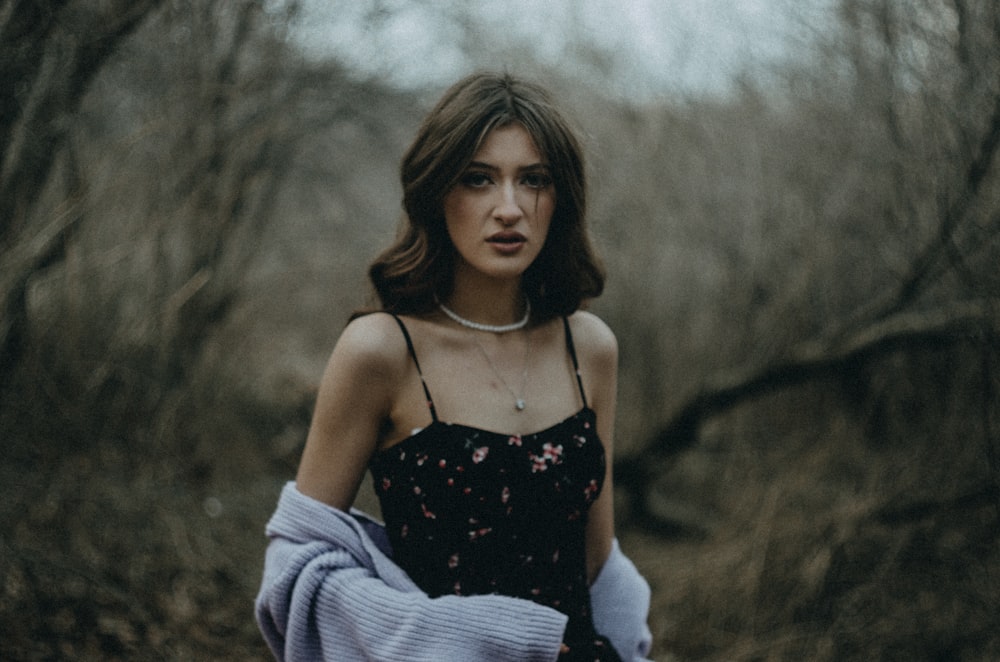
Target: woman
496	490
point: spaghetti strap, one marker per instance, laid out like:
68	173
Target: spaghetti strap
576	364
416	363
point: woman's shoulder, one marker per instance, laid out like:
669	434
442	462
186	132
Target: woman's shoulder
372	341
595	343
592	334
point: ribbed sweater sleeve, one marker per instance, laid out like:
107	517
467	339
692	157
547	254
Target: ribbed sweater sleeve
620	598
329	593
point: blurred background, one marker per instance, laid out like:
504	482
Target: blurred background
798	204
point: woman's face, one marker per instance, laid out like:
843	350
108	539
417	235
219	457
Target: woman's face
498	214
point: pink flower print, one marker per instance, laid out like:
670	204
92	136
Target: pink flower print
386	484
552	453
427	513
404	530
586	425
443	463
453	561
514	440
458	588
505	495
480	454
416	489
421	459
591	490
467	490
451	482
536	591
580	440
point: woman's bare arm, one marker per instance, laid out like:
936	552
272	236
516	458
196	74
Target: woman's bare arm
352	408
597	350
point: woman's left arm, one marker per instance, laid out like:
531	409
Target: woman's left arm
620	596
597	350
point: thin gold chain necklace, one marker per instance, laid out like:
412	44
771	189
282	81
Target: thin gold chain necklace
519	403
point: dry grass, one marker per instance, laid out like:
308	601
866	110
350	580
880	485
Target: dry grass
828	545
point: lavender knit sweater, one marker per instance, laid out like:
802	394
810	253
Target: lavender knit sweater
331	592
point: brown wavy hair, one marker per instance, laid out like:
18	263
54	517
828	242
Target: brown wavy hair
418	268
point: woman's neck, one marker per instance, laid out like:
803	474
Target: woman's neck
494	303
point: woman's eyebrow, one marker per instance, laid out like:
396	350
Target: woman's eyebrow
480	165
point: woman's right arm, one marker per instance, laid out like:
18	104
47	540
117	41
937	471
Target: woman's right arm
353	406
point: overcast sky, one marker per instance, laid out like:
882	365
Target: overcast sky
657	46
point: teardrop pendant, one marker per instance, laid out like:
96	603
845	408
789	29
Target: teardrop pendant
520	404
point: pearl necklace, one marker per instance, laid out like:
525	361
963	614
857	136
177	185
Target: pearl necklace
490	328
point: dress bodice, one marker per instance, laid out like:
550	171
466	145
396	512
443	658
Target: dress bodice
471	511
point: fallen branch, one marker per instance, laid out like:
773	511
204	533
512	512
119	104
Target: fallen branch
809	361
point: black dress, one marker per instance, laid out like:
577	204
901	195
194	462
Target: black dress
472	512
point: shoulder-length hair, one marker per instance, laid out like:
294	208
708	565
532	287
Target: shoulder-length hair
417	270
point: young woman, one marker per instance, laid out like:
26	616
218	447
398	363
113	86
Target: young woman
482	400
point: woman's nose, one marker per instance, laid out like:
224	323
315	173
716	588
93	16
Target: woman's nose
508	211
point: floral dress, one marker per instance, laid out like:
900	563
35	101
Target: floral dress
472	512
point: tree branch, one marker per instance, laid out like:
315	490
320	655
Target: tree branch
55	65
809	361
51	65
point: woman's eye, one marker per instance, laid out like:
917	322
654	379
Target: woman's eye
475	179
537	180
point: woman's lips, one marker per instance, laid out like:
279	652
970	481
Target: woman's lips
507	242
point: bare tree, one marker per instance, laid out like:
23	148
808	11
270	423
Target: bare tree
177	167
50	53
926	79
165	176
